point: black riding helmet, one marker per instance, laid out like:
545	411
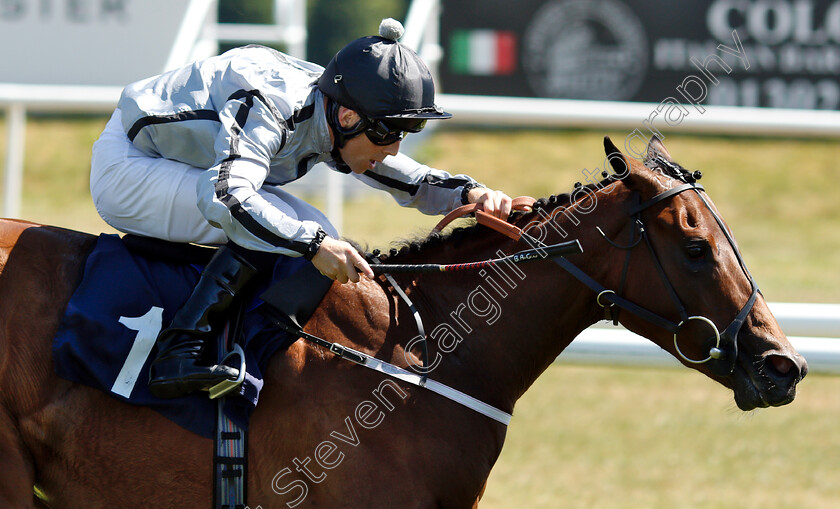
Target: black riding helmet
386	83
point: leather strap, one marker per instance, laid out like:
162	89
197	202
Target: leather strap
230	453
663	196
523	203
391	370
417	319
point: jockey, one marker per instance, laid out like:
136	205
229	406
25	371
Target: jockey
198	154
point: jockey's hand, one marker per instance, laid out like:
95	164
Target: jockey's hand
339	260
495	203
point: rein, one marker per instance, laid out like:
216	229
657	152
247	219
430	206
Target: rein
527	255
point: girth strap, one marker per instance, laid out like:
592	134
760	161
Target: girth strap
230	463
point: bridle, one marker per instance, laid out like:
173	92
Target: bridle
723	354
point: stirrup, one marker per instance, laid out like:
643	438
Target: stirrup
227	386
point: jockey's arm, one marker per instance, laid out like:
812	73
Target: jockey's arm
230	196
234	202
432	191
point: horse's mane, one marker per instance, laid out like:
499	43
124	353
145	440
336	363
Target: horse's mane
472	229
460	234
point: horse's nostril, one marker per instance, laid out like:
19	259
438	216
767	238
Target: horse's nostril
781	365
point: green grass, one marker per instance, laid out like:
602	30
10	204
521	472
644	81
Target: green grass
608	437
595	437
56	171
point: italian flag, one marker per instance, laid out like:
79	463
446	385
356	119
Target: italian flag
483	52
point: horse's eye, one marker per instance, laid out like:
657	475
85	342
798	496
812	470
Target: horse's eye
695	252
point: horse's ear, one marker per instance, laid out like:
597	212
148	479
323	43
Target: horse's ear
644	182
616	158
656	148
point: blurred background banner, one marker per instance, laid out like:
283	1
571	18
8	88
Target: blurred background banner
642	50
97	42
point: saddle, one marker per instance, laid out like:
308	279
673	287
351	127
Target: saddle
290	302
131	288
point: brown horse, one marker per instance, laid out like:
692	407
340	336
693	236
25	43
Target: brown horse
329	433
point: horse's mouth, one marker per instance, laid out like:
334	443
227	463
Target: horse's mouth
748	395
766	380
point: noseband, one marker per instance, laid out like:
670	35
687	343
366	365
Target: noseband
725	349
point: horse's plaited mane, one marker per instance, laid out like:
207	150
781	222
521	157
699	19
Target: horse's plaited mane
673	169
462	233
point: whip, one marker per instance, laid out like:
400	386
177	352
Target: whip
552	251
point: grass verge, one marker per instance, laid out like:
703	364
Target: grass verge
586	437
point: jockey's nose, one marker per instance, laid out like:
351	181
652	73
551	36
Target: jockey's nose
393	149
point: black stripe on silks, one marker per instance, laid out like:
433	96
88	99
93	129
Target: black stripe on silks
450	183
236	209
255	228
166	119
224	168
393	183
221	186
301	115
303	165
242	115
249	95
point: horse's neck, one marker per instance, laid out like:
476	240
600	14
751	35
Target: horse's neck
509	323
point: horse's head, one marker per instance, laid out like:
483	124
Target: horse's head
687	272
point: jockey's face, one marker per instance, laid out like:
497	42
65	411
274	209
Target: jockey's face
359	152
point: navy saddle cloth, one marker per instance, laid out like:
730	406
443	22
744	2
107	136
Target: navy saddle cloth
108	330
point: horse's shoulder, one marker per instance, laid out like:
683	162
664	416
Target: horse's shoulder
362	316
349	308
358	316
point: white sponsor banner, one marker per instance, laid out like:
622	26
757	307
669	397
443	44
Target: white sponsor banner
96	42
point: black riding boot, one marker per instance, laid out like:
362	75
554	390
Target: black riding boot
182	365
